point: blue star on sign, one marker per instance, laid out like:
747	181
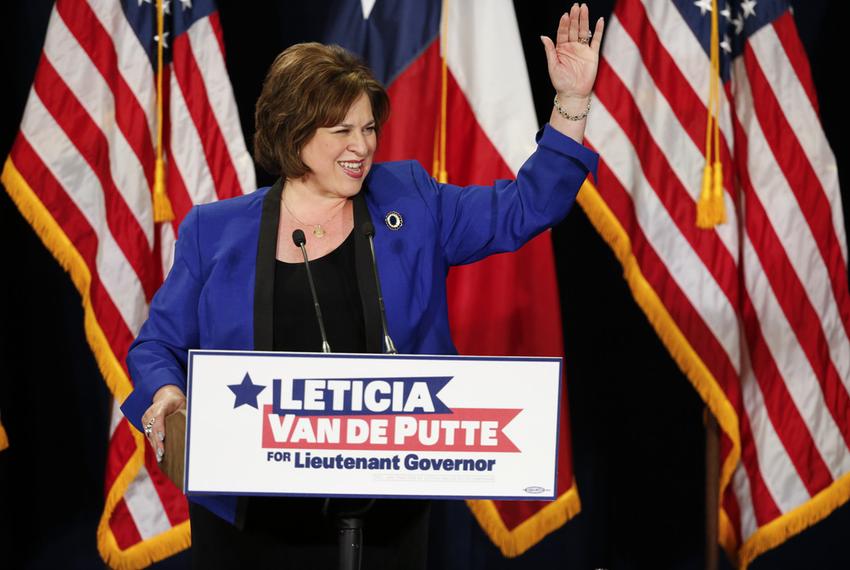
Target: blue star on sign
246	392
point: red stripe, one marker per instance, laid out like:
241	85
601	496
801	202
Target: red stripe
215	23
97	43
173	501
181	200
197	103
790	42
733	512
121	449
791	296
93	147
802	181
124	527
81	235
764	506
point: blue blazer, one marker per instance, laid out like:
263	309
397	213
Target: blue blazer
219	293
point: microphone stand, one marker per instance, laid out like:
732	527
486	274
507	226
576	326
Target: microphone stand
349	524
369	231
299	239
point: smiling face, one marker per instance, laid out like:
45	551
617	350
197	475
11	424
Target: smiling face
340	156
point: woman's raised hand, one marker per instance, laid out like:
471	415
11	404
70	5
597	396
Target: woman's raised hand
166	401
574	57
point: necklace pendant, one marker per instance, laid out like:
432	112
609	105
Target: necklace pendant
318	231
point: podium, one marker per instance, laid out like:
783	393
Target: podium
367	426
174	459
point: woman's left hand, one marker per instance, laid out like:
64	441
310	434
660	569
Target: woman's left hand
573	62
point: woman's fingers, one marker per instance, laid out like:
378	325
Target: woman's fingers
167	400
597	35
575	16
583	22
551	54
563	35
158	436
153	422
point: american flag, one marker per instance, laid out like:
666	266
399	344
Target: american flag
82	170
755	311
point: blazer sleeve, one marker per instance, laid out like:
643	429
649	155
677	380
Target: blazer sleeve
477	221
159	354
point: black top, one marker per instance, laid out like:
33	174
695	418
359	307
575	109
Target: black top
295	326
293	532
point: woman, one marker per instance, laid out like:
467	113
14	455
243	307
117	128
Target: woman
237	281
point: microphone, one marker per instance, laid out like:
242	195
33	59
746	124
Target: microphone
299	240
369	231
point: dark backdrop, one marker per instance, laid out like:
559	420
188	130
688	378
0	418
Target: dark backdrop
637	423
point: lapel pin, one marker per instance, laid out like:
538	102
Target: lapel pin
394	220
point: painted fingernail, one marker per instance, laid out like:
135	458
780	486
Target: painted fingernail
160	435
159	455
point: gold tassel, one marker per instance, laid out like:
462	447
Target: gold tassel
717	206
710	208
162	211
705	205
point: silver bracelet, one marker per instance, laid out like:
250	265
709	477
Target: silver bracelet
566	115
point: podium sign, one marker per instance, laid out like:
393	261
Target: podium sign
356	425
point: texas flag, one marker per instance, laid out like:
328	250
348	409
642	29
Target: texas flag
462	105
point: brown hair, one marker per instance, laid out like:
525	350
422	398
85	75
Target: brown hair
308	86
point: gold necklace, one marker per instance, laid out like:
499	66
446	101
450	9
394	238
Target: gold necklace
318	230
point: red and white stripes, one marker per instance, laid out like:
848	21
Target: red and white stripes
85	152
762	299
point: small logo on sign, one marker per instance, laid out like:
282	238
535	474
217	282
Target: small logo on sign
534	490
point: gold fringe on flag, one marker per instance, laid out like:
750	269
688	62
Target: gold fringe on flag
162	211
779	529
513	542
4	439
674	340
710	209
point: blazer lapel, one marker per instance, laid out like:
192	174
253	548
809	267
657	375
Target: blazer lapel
264	276
365	279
